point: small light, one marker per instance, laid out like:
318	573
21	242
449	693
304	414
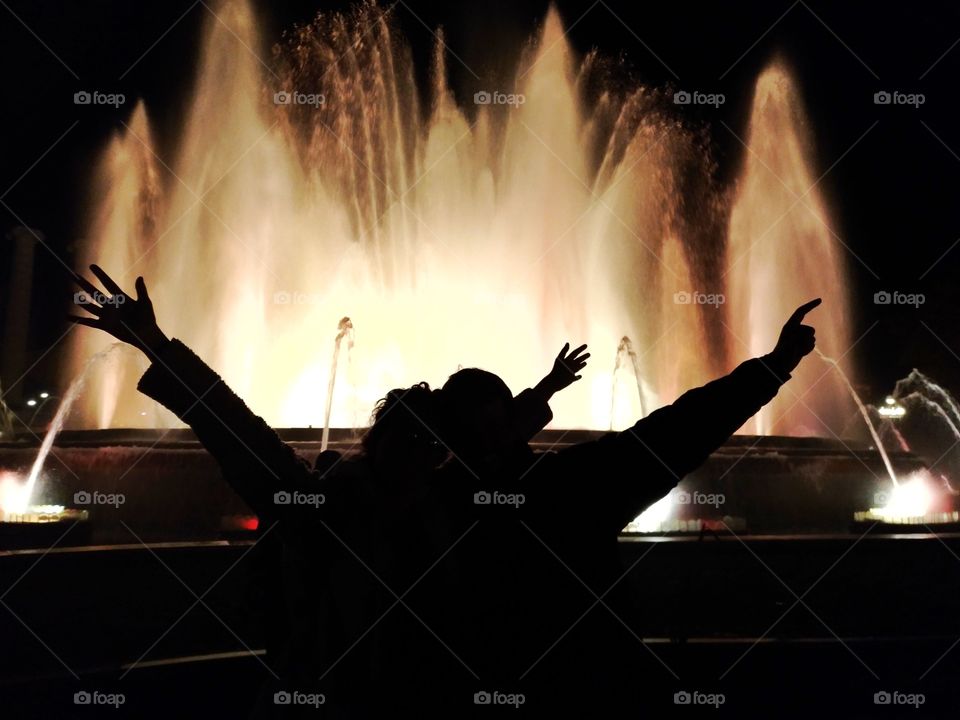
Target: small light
143	413
31	402
892	409
44	395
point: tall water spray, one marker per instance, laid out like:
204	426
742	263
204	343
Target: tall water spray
25	494
344	330
783	249
324	188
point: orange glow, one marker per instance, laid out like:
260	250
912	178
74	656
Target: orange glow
484	235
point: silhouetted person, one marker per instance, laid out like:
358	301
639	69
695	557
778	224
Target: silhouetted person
546	611
315	618
527	593
384	531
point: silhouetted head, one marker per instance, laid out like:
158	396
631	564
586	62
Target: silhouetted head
480	418
403	437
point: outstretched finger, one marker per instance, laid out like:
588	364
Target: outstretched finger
801	311
563	351
578	351
107	281
141	288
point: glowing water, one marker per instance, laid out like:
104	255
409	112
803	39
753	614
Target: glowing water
475	235
17	499
864	414
930	425
626	352
344	329
783	251
919	386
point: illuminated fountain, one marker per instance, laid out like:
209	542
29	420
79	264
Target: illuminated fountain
315	184
323	188
18	495
922	416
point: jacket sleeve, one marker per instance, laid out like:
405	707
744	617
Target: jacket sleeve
532	413
252	457
622	473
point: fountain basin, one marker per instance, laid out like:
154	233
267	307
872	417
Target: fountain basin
162	486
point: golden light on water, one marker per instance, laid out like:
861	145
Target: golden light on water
453	235
16	504
912	499
14	493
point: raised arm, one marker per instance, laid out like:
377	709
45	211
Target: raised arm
532	406
623	473
254	460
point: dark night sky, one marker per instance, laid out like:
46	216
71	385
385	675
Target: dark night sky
893	195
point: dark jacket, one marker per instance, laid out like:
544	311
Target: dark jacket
502	601
341	566
545	610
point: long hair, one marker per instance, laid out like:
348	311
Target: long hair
415	410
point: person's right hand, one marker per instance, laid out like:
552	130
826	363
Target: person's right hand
565	369
117	313
796	339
